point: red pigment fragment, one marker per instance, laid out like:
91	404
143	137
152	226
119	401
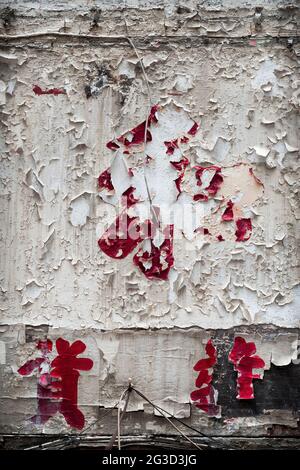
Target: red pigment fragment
128	197
206	231
243	230
242	356
193	130
200	197
160	258
214	184
112	145
30	366
45	396
220	238
228	213
104	180
204	396
180	166
44	345
171	146
52	91
152	116
138	132
122	236
138	135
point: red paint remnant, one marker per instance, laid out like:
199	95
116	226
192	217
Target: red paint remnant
138	135
180	166
126	233
214	184
122	236
200	170
152	116
58	396
158	262
204	396
206	231
244	360
66	367
194	129
47	407
171	146
128	197
52	91
243	230
112	145
200	197
30	366
228	213
104	180
44	345
220	238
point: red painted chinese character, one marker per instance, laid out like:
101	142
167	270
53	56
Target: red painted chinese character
58	381
244	360
205	397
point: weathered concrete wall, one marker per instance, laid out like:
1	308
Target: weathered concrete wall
226	66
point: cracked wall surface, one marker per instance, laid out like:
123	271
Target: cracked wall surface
71	83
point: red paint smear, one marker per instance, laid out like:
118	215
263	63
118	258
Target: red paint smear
112	145
252	42
165	251
128	197
122	237
52	91
104	180
244	360
184	139
243	230
204	396
228	213
180	166
193	130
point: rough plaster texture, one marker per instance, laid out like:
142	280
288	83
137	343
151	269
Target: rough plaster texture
242	85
